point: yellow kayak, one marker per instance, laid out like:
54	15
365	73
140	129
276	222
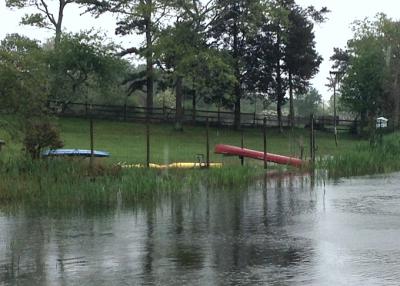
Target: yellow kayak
178	165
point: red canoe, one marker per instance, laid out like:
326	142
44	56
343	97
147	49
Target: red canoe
243	152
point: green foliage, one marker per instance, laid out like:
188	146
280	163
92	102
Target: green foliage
363	84
235	23
212	76
370	64
282	56
308	103
37	19
23	77
69	184
40	135
84	64
365	159
183	52
362	88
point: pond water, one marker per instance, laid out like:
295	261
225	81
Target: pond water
276	232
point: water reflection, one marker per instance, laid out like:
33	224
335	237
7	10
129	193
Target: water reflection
283	230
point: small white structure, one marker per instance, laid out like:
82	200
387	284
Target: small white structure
381	122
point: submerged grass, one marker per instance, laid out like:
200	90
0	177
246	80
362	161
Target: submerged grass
365	159
66	184
70	183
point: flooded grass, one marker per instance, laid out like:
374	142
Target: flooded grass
70	183
364	159
64	183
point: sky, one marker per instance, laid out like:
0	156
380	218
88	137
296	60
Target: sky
335	32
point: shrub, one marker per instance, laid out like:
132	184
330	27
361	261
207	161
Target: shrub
40	135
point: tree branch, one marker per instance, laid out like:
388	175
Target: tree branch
47	12
128	51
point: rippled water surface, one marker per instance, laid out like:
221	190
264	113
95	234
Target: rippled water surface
278	232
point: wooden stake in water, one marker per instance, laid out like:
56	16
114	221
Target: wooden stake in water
91	144
242	145
312	139
207	143
147	143
265	141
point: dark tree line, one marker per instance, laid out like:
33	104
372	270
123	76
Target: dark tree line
369	72
220	51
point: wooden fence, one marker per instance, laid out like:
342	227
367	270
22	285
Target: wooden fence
220	118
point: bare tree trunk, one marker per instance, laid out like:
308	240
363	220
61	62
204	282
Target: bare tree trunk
396	101
238	95
179	104
58	24
291	115
279	83
149	62
194	106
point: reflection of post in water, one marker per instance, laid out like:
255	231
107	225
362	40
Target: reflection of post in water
24	259
149	245
237	213
291	193
312	179
178	214
208	208
279	200
265	201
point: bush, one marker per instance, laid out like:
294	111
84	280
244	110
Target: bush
41	135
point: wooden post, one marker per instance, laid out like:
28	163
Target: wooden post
91	144
219	116
265	141
147	142
312	139
125	110
207	143
242	145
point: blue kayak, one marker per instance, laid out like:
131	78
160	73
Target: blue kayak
74	153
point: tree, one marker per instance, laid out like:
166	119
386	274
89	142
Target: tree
176	50
23	77
370	64
44	18
24	92
282	54
362	87
184	54
142	17
301	58
235	21
83	62
390	39
308	103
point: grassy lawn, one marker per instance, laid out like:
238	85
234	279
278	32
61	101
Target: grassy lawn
127	141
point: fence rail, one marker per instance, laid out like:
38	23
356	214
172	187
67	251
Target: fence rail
220	118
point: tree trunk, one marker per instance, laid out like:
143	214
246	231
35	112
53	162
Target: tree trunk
237	121
149	62
238	95
194	106
58	25
372	128
291	112
363	123
396	101
279	83
178	104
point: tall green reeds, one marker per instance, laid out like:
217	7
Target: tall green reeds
364	159
64	183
